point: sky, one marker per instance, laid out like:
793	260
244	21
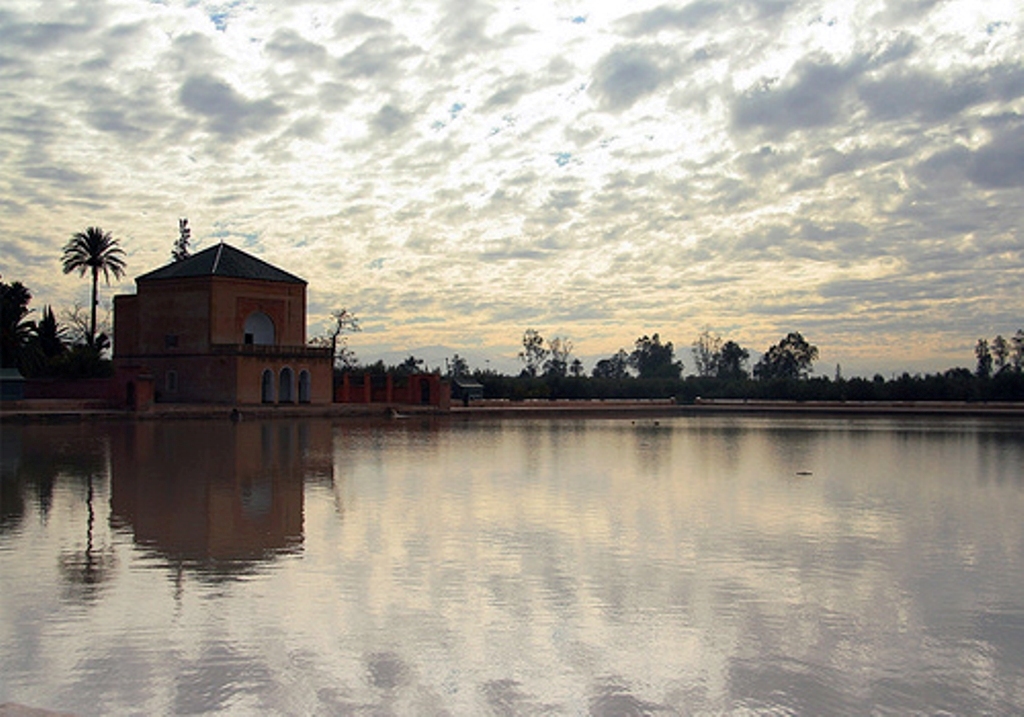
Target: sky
455	172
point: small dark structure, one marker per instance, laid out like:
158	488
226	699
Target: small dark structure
12	385
466	389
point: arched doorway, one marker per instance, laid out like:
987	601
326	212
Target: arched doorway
259	329
304	388
285	390
267	389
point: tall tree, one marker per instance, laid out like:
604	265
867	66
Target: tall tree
793	357
653	359
534	353
343	322
1017	357
1000	353
457	367
732	361
182	249
707	349
559	351
95	251
984	356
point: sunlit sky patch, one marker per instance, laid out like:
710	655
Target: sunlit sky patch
457	172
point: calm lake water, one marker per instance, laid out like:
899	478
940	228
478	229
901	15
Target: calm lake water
707	565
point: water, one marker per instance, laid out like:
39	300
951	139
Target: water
702	565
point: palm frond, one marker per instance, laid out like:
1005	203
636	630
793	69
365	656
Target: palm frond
94	249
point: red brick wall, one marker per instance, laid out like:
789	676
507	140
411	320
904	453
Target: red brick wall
126	324
363	389
178	308
82	389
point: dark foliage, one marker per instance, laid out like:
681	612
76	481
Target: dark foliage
653	359
953	385
17	332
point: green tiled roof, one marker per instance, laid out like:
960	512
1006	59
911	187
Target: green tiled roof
222	260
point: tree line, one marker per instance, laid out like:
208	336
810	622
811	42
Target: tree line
722	369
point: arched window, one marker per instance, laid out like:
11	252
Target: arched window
304	389
267	390
259	329
286	391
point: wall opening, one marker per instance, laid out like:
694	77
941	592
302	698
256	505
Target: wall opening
304	387
259	329
285	392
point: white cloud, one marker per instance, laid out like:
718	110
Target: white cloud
455	172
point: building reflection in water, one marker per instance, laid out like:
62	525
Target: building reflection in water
218	496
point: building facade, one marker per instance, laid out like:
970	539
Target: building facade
221	327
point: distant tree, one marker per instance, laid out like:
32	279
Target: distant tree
95	251
1000	354
182	249
984	356
653	359
576	368
533	354
76	321
16	330
707	349
732	361
616	367
458	367
559	351
377	368
793	357
958	373
1017	357
411	365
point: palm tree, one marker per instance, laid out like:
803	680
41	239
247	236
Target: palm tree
94	250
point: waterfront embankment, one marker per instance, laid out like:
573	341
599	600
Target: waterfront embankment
53	410
56	410
746	406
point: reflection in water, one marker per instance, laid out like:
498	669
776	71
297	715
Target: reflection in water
219	496
602	567
613	699
87	570
31	459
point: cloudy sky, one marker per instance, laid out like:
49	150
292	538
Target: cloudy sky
456	171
